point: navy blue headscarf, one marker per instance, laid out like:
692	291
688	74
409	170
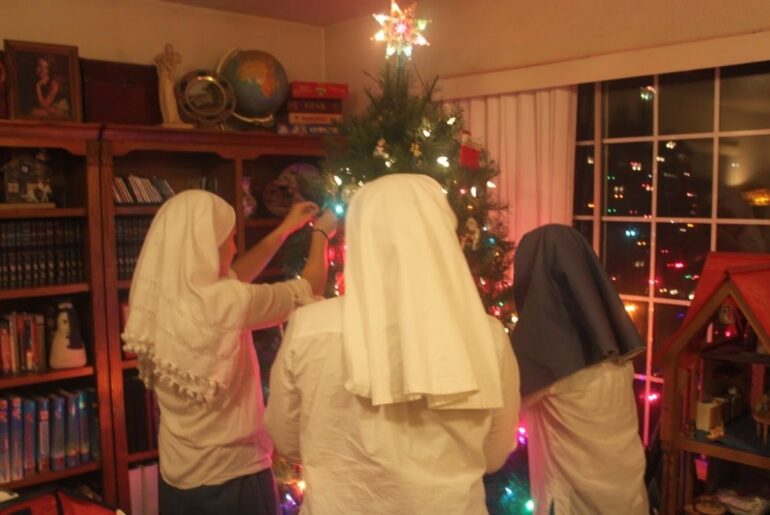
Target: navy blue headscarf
570	316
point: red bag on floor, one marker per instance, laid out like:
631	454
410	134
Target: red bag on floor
54	502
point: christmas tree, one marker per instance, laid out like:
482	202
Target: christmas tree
406	130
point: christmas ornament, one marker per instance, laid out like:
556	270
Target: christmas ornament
470	151
400	30
380	149
471	234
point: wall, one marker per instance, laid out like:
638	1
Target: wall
136	30
492	46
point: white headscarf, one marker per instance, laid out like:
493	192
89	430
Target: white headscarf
413	323
184	320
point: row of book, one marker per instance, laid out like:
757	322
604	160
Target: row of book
143	485
140	190
142	415
312	108
48	432
23	342
41	252
129	236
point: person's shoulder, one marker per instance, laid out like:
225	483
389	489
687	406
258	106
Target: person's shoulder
317	318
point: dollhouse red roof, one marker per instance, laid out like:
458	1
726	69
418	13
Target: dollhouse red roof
745	277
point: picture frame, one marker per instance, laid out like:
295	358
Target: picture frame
43	81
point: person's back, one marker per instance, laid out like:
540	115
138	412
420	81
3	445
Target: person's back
400	395
395	458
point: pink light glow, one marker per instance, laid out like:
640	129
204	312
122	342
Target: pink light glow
401	28
653	397
522	430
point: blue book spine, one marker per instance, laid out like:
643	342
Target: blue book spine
29	414
84	411
72	432
43	434
17	438
93	419
5	444
58	415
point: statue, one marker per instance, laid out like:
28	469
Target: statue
167	64
67	347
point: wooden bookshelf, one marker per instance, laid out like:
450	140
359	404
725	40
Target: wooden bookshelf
73	158
185	159
29	378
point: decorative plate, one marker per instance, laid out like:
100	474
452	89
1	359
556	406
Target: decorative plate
205	96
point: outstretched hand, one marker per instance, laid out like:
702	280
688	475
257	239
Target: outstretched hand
299	214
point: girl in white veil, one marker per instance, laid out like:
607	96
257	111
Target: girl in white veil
398	396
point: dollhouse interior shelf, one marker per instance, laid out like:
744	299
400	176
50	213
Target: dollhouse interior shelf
735	353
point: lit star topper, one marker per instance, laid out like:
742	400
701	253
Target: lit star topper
401	30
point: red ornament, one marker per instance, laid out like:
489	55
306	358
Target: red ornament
470	151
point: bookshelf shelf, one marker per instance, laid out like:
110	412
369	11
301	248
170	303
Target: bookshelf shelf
44	291
72	212
136	210
135	457
45	377
262	223
130	363
124	284
47	477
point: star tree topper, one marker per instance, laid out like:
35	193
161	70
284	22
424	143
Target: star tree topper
401	30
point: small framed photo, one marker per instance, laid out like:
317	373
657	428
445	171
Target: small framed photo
43	81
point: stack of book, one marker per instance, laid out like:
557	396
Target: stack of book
140	190
142	416
313	108
129	236
46	432
143	481
22	343
41	253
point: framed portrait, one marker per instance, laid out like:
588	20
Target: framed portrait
43	81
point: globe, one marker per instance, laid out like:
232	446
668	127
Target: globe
259	81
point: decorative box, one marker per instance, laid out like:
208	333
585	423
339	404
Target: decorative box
27	180
120	92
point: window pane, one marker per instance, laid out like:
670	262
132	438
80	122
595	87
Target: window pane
745	97
744	181
743	238
681	251
666	319
586	228
626	256
639	396
585	112
628	179
638	313
583	199
686	102
684	177
628	107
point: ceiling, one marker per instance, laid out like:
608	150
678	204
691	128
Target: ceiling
310	12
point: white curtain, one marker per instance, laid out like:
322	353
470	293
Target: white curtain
531	136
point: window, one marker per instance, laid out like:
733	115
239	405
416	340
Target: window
668	168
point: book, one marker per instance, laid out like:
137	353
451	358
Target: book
58	429
43	434
150	505
305	89
5	346
314	118
16	437
72	429
318	130
5	442
84	425
314	105
93	421
29	414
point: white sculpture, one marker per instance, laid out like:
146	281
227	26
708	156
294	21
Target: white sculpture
67	347
167	64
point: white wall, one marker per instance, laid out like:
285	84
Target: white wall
136	30
482	47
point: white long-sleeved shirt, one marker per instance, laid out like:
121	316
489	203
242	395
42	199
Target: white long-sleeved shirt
585	455
393	459
211	444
